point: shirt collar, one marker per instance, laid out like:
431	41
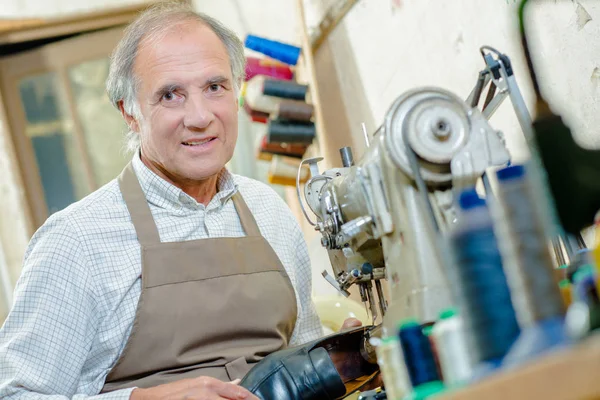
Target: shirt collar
163	194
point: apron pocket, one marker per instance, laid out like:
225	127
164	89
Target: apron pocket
237	368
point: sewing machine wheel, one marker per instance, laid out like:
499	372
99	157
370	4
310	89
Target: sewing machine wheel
436	122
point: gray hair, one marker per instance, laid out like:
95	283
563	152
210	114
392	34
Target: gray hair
152	24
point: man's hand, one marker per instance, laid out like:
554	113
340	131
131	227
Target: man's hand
350	323
201	388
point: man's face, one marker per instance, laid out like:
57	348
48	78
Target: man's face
189	111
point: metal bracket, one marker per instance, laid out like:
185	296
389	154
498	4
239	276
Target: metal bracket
334	283
314	170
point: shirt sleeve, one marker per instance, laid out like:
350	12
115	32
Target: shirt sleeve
46	337
308	326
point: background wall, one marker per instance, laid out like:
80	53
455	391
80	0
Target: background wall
386	47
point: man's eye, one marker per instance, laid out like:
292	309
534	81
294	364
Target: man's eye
168	96
215	87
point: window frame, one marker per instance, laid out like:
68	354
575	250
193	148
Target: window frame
56	58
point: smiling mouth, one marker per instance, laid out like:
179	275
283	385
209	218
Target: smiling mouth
197	142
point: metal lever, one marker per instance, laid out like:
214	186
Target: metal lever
314	171
502	75
334	283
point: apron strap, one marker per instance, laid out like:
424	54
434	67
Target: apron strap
138	207
246	218
143	221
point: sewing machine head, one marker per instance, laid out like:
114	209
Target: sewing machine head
382	217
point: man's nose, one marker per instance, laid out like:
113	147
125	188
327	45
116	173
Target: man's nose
198	114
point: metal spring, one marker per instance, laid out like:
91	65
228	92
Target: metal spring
522	228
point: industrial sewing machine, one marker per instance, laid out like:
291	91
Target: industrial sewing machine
383	217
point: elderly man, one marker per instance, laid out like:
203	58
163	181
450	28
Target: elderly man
174	279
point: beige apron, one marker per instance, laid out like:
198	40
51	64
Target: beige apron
210	307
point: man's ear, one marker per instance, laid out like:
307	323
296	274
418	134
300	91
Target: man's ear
132	123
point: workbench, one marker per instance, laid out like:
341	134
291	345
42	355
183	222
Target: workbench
569	374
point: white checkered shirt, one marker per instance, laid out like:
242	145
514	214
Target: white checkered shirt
76	299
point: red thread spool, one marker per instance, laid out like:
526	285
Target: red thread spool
295	150
256	116
294	110
268	67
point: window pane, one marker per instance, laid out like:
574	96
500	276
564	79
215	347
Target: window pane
50	130
103	127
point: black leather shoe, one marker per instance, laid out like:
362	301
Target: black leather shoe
326	369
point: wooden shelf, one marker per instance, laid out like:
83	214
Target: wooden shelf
571	374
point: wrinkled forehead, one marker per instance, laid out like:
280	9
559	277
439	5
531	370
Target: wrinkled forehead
190	44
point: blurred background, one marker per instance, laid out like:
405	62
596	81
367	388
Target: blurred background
60	138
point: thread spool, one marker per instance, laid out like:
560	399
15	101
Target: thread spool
267	95
256	116
280	51
479	284
391	365
428	332
581	259
418	356
268	67
596	251
284	89
256	99
283	170
566	291
242	95
287	132
581	319
294	110
522	227
285	149
584	283
452	350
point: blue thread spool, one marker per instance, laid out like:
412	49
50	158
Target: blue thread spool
418	355
523	229
524	226
280	51
480	285
280	131
584	282
285	89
